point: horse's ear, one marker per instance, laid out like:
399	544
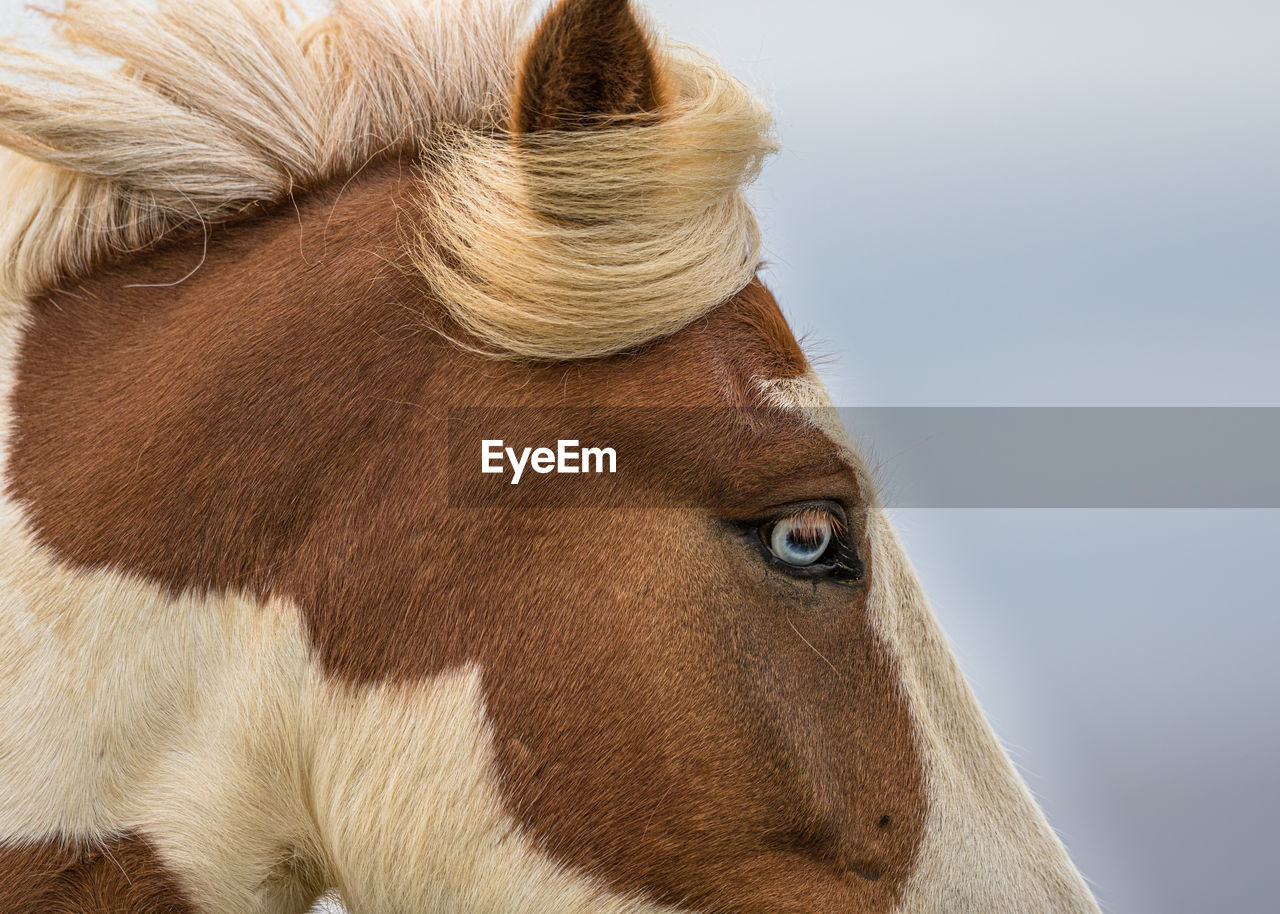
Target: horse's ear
589	61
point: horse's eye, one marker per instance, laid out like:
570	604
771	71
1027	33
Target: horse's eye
801	539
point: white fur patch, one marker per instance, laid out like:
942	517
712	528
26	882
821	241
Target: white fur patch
207	724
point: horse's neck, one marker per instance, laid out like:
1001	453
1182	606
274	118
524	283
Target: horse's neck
153	436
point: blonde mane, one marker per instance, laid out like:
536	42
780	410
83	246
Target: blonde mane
560	246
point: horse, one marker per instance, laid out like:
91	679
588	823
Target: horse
268	628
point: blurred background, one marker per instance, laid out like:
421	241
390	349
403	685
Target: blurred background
1055	204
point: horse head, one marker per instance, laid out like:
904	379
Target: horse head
323	646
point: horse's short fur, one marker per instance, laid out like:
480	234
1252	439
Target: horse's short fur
259	639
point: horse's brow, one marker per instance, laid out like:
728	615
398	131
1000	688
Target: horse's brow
806	398
799	393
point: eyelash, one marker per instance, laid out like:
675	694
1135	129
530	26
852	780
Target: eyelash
840	560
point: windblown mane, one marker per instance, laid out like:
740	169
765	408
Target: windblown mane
561	245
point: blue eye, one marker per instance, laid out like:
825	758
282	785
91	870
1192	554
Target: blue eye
801	539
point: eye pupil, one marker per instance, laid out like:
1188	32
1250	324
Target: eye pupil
801	540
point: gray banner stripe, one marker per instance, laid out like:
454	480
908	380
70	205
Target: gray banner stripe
1072	457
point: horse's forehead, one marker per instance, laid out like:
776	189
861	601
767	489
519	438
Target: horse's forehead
717	360
743	342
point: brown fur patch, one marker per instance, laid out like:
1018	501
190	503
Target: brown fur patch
122	875
672	713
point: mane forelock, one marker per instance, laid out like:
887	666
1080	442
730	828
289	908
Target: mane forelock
218	106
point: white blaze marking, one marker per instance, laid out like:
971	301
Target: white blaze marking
987	847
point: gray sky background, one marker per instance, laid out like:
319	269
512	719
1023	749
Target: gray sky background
1066	204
